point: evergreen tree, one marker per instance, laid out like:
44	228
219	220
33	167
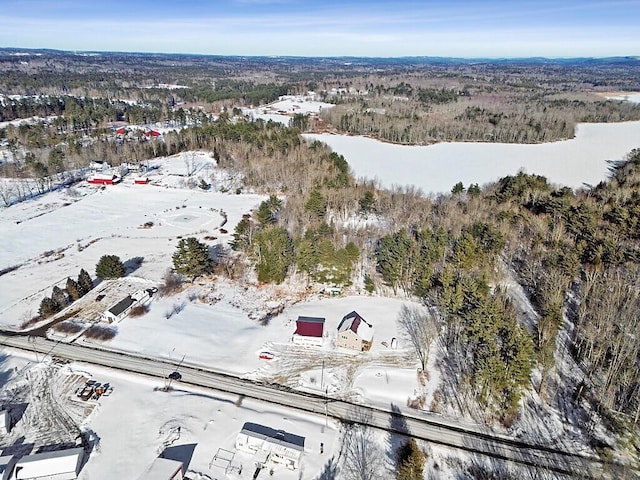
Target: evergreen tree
458	188
410	461
369	284
273	251
59	297
316	205
394	256
367	203
267	213
84	282
110	266
73	289
300	121
191	258
47	307
474	190
242	235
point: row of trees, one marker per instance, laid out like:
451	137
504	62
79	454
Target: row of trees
60	298
481	118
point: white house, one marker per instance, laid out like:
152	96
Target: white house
57	465
7	463
121	309
309	331
355	333
163	469
271	445
99	166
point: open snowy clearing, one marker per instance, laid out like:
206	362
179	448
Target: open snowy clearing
54	235
437	168
283	110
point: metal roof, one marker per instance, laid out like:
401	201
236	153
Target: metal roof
309	326
122	305
276	437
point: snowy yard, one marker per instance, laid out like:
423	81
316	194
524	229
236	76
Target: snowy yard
186	424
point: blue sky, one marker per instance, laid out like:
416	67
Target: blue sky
459	28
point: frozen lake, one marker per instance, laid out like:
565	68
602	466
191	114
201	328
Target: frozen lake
436	168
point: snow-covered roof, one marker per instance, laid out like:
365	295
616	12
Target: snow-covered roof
274	437
162	469
58	465
358	325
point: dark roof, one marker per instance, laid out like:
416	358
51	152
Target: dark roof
279	437
122	305
309	326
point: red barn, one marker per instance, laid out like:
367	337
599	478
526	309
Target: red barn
141	181
309	331
104	179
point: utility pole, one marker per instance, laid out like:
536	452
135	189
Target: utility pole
326	407
322	377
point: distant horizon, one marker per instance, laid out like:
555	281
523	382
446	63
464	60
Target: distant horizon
332	28
28	50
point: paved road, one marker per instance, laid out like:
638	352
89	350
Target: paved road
428	427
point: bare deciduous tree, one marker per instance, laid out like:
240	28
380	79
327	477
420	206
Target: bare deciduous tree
363	457
421	327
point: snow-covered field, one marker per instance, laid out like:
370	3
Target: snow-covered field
437	168
283	110
633	97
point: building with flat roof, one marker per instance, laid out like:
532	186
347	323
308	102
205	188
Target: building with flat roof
268	444
163	469
56	465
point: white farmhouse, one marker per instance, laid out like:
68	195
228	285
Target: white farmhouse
355	333
57	465
121	309
272	445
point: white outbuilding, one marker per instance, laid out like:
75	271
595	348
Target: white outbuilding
272	445
5	422
56	465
